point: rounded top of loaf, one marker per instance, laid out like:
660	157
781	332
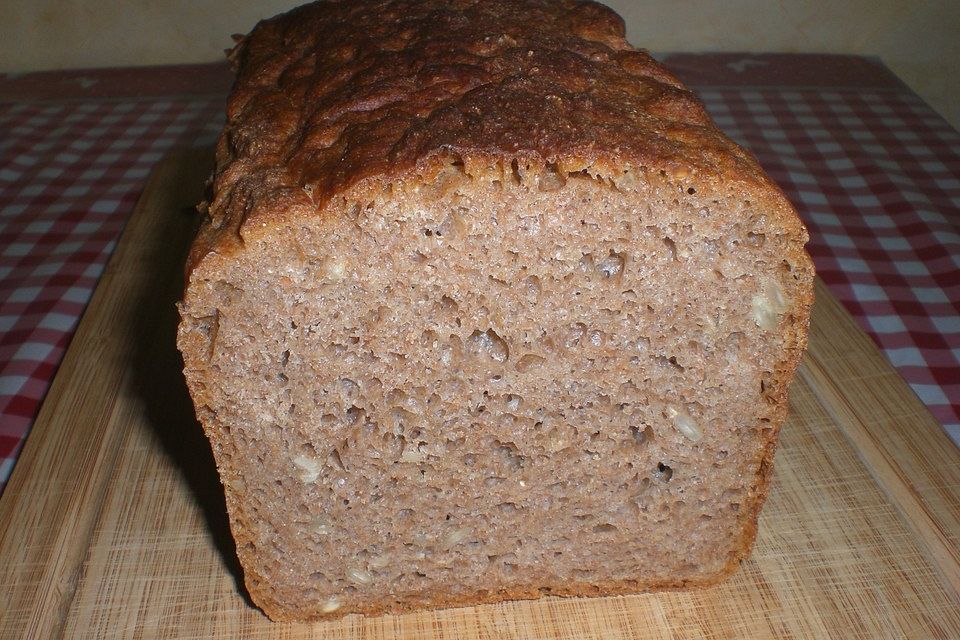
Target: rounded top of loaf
336	98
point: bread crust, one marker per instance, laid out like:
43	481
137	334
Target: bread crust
334	101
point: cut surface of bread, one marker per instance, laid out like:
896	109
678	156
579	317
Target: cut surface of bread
485	307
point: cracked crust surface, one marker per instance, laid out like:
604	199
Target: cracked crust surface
334	98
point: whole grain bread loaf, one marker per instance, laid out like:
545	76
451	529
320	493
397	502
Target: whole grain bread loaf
484	307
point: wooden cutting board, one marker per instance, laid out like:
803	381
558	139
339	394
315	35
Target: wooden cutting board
113	524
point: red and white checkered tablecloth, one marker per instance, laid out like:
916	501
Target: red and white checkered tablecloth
873	170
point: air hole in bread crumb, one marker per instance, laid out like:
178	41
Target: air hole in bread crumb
355	414
509	455
642	435
671	362
515	172
448	305
586	263
671	245
766	389
664	472
604	528
429	339
488	343
551	179
393	445
756	239
613	265
349	388
336	461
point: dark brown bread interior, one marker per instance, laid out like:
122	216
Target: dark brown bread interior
485	307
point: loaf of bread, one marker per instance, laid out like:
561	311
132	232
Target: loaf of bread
484	307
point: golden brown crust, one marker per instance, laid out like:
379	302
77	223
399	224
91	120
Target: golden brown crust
335	94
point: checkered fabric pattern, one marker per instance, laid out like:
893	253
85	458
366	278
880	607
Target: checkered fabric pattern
70	174
873	170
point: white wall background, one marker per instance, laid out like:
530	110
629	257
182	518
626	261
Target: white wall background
919	40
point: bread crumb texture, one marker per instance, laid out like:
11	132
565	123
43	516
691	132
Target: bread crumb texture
484	307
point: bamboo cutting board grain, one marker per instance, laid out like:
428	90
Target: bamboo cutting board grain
113	524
